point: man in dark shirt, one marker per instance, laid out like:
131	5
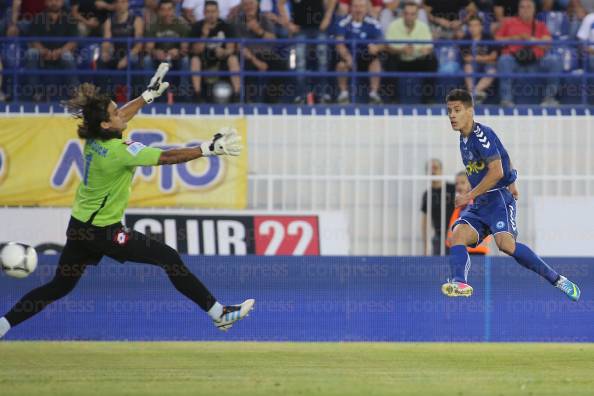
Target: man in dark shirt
250	24
90	15
53	22
435	211
309	19
505	8
175	52
213	56
444	16
483	59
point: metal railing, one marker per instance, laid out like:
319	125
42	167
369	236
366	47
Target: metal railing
13	47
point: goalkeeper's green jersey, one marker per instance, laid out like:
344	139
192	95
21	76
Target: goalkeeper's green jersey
109	166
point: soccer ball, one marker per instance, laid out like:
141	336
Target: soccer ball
18	260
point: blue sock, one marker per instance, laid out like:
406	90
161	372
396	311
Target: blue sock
459	263
528	259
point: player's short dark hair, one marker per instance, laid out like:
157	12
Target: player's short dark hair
460	95
90	105
211	3
410	4
163	2
475	18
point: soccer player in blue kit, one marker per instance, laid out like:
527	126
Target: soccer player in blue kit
493	208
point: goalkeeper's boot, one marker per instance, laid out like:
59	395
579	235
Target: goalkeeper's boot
233	313
456	289
568	287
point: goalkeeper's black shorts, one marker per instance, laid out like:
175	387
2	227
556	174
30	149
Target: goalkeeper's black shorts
87	244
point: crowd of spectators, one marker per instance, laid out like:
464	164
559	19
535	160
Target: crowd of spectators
433	26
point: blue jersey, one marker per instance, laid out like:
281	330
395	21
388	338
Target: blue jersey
369	29
480	148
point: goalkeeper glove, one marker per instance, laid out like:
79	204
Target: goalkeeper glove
226	141
156	87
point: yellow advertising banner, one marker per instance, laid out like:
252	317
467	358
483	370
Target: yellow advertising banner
41	163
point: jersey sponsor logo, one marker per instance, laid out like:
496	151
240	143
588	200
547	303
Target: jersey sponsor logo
135	148
475	167
500	225
482	138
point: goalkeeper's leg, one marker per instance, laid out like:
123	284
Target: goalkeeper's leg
73	262
137	247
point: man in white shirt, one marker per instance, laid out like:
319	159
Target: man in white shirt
586	35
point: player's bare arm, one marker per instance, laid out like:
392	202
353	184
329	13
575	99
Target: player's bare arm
130	109
494	174
224	142
155	89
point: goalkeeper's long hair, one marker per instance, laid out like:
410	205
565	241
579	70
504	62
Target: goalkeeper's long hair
90	105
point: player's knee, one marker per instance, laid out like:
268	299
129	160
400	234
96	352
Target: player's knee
507	246
463	235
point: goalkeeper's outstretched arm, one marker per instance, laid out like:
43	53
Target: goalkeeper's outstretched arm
155	89
224	142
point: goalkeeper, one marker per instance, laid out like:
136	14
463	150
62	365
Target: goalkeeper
95	229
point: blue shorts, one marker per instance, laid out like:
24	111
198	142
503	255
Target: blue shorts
491	213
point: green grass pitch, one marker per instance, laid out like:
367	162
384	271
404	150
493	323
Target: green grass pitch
130	368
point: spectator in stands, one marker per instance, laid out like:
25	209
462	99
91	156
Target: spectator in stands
53	22
250	24
150	12
435	168
484	56
309	20
576	13
358	25
473	10
169	26
90	15
505	8
528	59
444	17
193	10
269	10
411	57
344	8
586	35
556	20
214	56
393	9
389	13
23	12
585	6
121	24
